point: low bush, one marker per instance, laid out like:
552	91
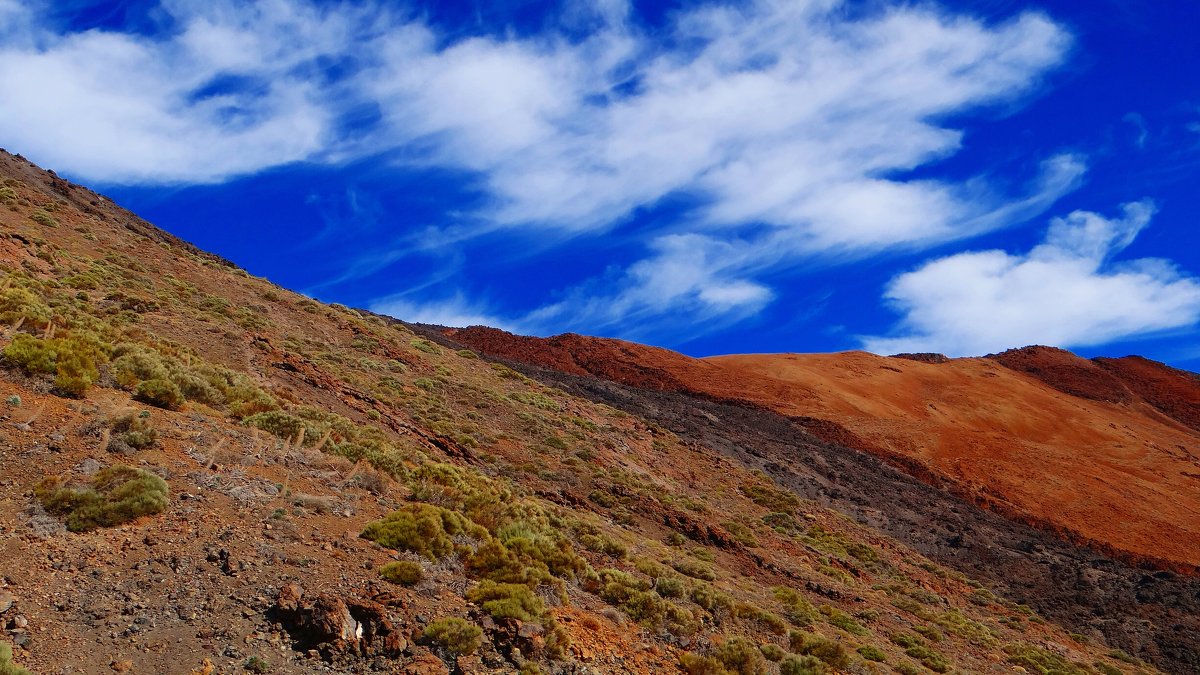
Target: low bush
421	528
117	494
74	360
802	665
1037	660
403	572
934	661
741	656
872	653
764	619
507	601
135	430
697	664
694	569
772	652
796	608
770	497
160	393
601	544
669	587
828	651
453	637
842	620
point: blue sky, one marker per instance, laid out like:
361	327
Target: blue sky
764	176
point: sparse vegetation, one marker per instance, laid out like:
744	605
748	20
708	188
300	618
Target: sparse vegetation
403	572
453	637
116	495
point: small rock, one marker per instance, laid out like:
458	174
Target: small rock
19	622
6	600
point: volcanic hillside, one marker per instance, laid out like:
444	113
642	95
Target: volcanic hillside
204	472
1102	455
1106	451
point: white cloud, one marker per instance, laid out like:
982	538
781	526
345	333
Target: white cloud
455	311
788	125
225	95
1065	292
685	277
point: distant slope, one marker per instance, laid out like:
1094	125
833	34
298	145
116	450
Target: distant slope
1098	466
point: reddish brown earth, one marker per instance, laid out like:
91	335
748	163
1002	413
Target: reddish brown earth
1097	452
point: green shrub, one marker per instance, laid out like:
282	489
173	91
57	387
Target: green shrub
1105	669
669	587
802	665
135	430
796	608
930	658
771	498
425	346
453	636
467	354
905	640
872	653
772	652
599	544
18	304
159	393
1037	660
14	401
711	599
765	619
828	651
694	569
42	218
403	572
118	494
74	360
421	528
695	664
929	633
842	620
507	601
741	656
7	667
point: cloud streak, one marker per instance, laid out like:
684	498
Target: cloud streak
788	128
1067	291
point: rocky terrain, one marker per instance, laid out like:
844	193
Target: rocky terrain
871	436
206	473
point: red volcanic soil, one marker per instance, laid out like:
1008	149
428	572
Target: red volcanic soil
1176	393
1066	372
1078	447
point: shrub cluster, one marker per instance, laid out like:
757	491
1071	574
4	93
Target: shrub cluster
453	637
74	360
167	380
117	494
403	572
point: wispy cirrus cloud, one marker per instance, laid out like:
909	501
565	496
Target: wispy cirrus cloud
787	128
1067	291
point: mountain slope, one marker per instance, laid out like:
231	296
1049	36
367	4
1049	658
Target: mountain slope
207	473
801	417
1101	465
